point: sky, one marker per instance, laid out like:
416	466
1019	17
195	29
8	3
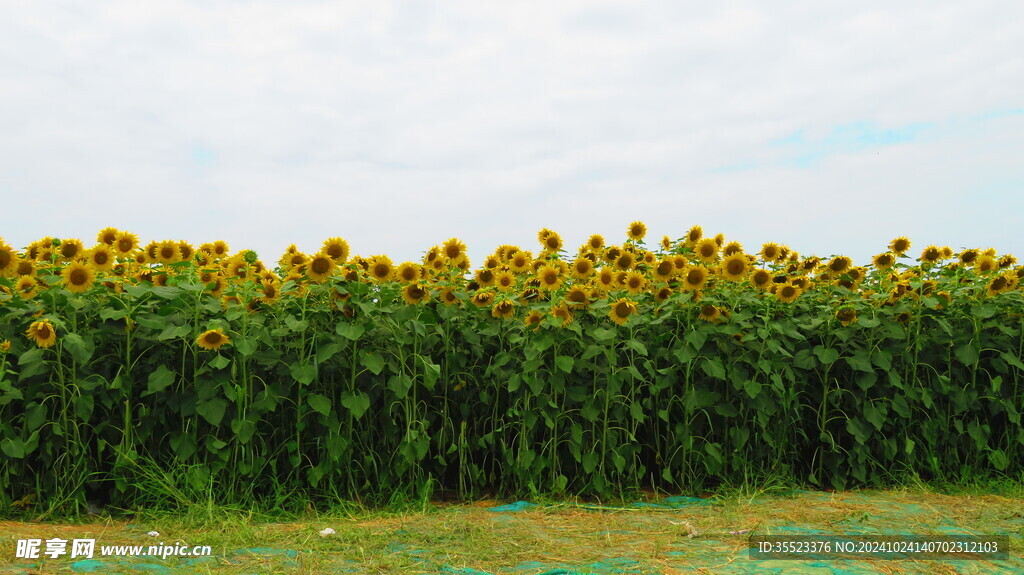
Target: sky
829	127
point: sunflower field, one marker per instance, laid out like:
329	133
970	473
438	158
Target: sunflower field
168	374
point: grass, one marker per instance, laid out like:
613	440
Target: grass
599	538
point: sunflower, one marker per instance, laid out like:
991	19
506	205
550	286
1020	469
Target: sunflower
168	252
606	279
25	267
626	261
694	278
1006	261
761	279
969	256
534	318
709	313
582	268
414	294
213	339
636	231
664	271
504	281
666	243
931	254
563	313
71	249
846	315
621	310
986	264
9	259
662	293
883	261
320	267
596	242
680	262
549	278
483	298
236	268
220	248
107	236
125	243
732	248
694	235
521	262
100	257
839	264
484	277
635	282
336	249
453	249
409	272
900	245
577	298
381	268
503	309
787	293
552	242
78	277
27	286
42	332
997	285
706	250
611	254
734	267
448	296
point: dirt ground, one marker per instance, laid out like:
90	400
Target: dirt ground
665	536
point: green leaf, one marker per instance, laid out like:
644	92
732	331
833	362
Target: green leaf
804	359
564	363
219	362
827	356
350	331
303	373
590	461
860	361
326	352
713	366
373	362
636	346
637	411
319	403
243	430
356	402
212	410
752	388
296	325
246	346
967	354
174	332
80	349
13	447
602	335
159	380
1011	359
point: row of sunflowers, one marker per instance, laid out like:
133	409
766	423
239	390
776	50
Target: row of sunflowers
511	278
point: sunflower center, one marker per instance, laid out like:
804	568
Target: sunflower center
212	338
43	331
101	258
551	242
380	270
694	277
78	277
452	252
320	266
5	258
665	268
334	251
124	246
735	267
68	250
788	291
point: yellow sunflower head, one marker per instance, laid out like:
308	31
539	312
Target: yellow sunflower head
735	267
761	279
900	245
596	242
9	260
414	293
625	262
883	261
167	252
453	249
666	243
78	277
636	231
550	278
27	286
504	281
839	264
534	318
706	250
380	269
931	254
70	249
213	339
448	296
409	272
694	235
582	268
107	236
552	242
662	293
521	262
484	277
969	256
846	315
710	313
694	278
621	310
43	333
336	249
563	313
101	257
320	267
664	270
635	282
483	298
732	248
503	309
986	264
787	293
186	250
577	297
606	279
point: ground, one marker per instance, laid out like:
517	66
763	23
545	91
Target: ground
663	536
